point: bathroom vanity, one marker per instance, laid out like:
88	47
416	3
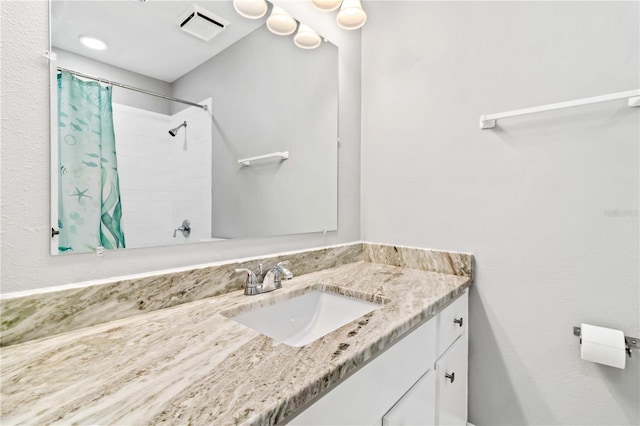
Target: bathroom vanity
421	380
402	363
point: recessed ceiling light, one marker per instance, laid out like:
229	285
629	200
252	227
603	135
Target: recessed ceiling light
93	43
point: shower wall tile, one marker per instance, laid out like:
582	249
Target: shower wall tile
190	165
141	151
160	175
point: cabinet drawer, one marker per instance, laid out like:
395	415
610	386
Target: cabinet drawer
417	406
452	322
451	382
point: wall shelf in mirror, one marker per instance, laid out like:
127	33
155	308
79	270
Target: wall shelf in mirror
279	155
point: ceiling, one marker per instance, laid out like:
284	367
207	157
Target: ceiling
143	35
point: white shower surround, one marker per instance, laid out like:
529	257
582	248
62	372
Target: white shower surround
163	180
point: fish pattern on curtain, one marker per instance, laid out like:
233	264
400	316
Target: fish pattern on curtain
89	208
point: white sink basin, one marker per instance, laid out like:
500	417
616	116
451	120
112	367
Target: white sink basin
302	319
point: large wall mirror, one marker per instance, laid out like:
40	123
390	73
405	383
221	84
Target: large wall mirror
252	153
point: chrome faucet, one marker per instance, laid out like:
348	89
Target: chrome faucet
265	281
185	229
275	273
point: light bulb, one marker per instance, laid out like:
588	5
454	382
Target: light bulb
306	38
251	9
280	22
351	15
326	5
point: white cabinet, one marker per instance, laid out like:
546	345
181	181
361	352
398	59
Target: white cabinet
364	397
452	322
452	364
420	380
451	372
415	407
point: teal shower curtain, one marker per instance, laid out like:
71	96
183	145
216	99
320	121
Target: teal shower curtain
89	209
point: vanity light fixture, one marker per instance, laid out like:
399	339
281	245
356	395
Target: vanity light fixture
326	5
351	16
306	38
251	9
280	22
93	43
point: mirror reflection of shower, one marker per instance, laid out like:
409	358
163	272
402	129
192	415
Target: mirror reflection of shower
173	132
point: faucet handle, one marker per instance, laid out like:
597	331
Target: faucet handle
251	277
251	286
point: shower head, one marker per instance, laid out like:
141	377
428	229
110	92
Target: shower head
173	132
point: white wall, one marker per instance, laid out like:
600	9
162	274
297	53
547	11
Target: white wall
530	199
271	96
163	180
25	227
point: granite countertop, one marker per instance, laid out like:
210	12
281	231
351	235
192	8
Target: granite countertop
190	364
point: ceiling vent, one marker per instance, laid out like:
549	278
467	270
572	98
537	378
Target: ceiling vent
201	23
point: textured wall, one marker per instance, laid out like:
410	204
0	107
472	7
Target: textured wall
534	200
26	263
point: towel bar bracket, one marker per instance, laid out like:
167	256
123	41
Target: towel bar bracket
487	124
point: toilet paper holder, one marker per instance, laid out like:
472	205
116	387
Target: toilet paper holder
630	342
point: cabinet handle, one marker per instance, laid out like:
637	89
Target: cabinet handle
458	321
451	376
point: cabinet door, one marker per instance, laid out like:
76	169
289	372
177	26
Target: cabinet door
451	372
364	397
452	322
417	406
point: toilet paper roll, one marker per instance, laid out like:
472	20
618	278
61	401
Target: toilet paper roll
603	345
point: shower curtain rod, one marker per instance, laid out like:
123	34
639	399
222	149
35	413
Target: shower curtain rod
135	89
